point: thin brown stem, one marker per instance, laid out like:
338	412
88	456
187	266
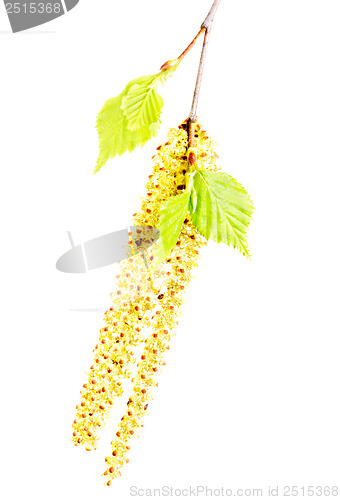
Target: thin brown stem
210	17
168	64
206	26
191	44
192	116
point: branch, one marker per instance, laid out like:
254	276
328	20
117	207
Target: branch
210	17
205	28
206	25
192	116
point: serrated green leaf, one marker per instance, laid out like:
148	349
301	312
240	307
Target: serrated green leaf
222	209
172	214
115	138
132	118
142	105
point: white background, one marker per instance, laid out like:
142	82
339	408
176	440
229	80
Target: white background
250	394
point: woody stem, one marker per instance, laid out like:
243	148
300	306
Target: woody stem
206	26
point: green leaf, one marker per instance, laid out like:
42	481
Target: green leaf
115	138
142	105
132	118
172	214
221	209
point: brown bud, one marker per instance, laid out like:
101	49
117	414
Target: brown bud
192	158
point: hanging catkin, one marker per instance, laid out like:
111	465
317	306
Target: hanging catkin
141	301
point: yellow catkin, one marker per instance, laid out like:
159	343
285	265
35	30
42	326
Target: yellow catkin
114	353
167	285
141	301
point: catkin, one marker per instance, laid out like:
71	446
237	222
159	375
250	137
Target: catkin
152	358
142	301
